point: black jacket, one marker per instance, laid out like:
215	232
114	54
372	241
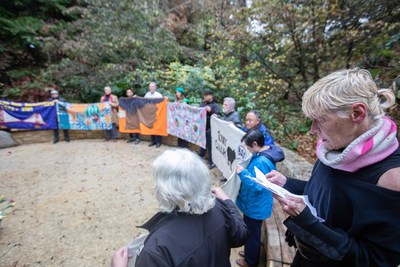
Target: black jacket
184	240
233	117
214	110
362	220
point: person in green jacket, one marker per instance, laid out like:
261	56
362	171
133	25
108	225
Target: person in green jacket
180	96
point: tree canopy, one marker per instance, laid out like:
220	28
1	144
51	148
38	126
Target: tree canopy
264	53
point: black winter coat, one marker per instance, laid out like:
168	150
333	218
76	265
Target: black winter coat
184	240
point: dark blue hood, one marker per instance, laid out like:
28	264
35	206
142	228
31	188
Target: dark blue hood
274	153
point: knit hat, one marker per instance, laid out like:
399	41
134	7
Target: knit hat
207	92
180	89
53	92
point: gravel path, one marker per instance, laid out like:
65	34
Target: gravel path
76	202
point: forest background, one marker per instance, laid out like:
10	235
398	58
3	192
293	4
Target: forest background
263	53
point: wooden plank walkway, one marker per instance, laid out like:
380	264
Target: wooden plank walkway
278	253
275	252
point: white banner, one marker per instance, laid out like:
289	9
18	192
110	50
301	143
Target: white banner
227	150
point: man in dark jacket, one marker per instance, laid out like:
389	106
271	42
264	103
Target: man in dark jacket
56	98
229	113
212	107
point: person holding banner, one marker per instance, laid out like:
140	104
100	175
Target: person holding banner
212	108
152	93
253	120
229	113
180	98
132	136
254	200
113	101
56	98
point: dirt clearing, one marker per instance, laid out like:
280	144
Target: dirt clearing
76	202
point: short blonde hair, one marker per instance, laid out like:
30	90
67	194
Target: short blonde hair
338	91
183	182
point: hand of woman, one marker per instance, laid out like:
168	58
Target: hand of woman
120	258
291	205
219	193
276	178
239	168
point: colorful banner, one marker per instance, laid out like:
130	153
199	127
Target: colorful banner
33	116
227	150
95	116
187	122
147	116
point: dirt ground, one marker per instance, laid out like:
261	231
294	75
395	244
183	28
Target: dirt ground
76	202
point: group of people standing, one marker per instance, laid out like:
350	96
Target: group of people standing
112	134
354	188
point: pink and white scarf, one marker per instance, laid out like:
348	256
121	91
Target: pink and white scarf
373	146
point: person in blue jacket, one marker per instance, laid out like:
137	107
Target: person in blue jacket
253	121
253	200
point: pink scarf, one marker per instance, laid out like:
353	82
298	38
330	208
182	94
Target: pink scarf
373	146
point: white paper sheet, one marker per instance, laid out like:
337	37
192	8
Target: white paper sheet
280	191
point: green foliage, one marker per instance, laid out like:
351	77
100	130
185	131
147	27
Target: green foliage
193	79
22	28
21	73
11	93
82	46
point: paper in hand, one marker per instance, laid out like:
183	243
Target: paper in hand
282	192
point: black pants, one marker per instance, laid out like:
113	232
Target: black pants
156	139
253	243
202	152
182	143
134	136
57	135
113	133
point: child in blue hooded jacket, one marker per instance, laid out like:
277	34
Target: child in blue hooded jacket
253	200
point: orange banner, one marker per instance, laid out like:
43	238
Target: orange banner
147	116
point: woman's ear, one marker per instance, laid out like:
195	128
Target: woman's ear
358	112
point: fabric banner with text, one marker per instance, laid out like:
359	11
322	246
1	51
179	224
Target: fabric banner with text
227	150
34	116
187	122
95	116
147	116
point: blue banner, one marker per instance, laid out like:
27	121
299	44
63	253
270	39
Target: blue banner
33	116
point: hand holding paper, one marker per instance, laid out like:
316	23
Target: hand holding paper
280	191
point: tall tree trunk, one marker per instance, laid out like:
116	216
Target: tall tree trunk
349	54
243	51
316	50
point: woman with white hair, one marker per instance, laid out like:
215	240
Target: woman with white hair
355	183
196	225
